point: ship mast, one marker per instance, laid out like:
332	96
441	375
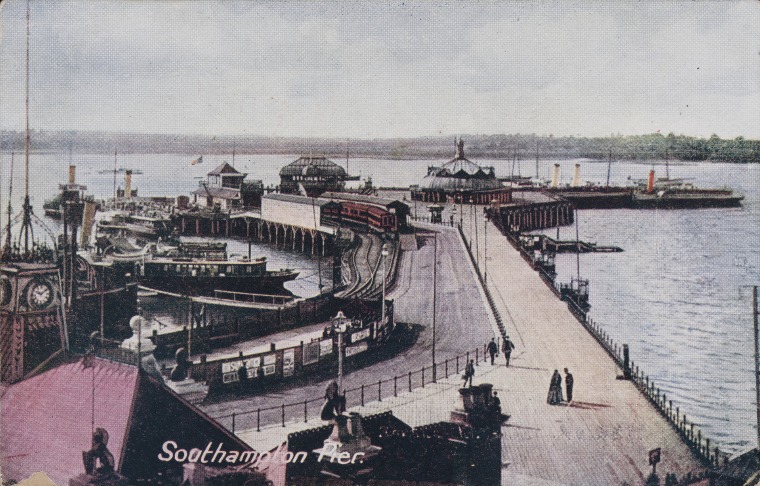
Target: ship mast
7	249
26	223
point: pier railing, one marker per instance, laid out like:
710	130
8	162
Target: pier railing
288	413
690	434
483	285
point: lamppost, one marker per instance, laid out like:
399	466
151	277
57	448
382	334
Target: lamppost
384	254
339	325
435	292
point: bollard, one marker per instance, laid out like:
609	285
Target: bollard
457	364
410	382
423	377
691	433
258	420
362	402
627	363
699	440
446	364
379	392
678	413
395	386
707	449
233	422
717	456
283	415
304	410
476	356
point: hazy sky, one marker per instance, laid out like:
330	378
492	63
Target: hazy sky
377	69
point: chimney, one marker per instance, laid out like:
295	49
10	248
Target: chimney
555	177
72	174
128	184
577	175
650	182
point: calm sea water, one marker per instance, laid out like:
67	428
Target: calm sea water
678	294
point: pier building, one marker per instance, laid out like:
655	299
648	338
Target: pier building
226	188
462	181
312	175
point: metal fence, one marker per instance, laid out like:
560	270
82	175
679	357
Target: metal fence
376	391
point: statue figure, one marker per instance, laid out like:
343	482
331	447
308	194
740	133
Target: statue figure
335	403
99	454
179	371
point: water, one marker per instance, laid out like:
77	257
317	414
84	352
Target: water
677	295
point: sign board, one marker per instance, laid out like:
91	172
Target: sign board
325	347
268	370
358	336
355	349
231	366
654	456
270	359
311	353
288	362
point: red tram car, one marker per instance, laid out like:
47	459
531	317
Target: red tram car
363	214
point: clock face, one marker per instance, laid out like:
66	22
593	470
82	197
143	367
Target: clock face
40	294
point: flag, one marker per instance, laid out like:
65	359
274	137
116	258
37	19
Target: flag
199	160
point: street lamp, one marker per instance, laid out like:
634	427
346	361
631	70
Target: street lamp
435	293
339	325
384	254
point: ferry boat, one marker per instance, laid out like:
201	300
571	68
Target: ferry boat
196	269
152	226
666	193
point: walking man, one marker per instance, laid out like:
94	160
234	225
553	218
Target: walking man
492	349
569	385
469	372
507	348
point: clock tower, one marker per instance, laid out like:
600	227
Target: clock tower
32	318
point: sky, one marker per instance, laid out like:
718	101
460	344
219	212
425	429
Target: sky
380	69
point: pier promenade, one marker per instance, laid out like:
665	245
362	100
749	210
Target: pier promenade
604	435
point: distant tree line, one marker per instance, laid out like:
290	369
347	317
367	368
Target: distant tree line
631	147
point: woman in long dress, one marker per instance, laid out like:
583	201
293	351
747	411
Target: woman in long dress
555	389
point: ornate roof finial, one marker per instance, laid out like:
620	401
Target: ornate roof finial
460	149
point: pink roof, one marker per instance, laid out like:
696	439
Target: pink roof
46	421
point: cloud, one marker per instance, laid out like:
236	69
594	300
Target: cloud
385	69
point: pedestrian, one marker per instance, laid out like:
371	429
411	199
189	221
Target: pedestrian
506	348
555	389
496	404
492	349
243	376
469	372
569	385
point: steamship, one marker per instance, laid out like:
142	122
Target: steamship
666	193
201	269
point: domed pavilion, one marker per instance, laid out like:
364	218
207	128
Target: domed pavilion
462	181
311	175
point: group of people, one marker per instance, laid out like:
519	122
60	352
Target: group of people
555	388
506	347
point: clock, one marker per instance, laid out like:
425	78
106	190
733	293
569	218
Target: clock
6	291
39	294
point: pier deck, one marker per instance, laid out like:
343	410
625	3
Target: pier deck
604	436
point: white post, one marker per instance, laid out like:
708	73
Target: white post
339	330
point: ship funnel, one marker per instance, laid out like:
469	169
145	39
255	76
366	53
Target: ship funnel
72	174
128	184
650	182
555	177
577	175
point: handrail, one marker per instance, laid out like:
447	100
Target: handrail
408	382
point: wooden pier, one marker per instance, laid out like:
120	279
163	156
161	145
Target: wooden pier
604	436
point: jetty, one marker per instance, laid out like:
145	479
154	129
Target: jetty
603	437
